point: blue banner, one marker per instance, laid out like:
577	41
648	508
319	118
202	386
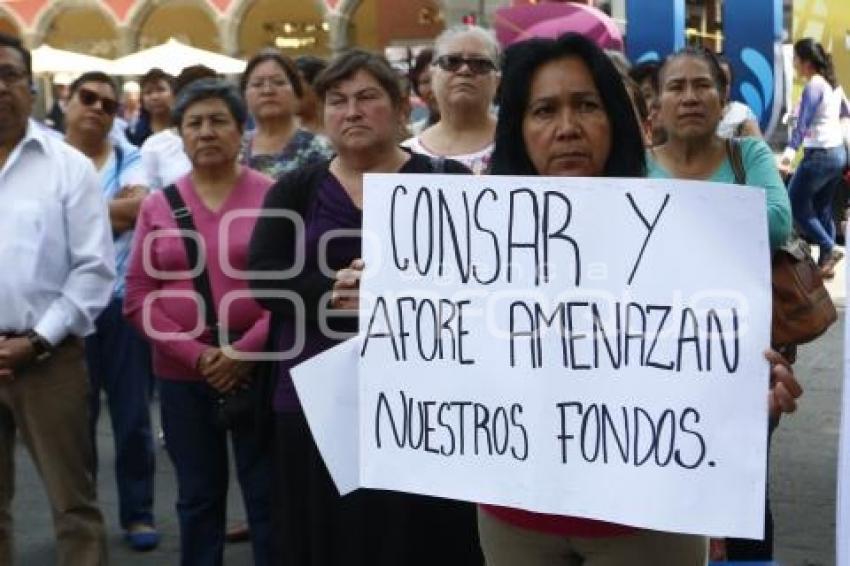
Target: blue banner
655	29
753	45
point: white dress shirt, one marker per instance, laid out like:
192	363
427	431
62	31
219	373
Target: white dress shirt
163	158
57	264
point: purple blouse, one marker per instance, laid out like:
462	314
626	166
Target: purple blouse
330	209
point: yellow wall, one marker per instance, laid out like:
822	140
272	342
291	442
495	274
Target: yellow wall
364	31
828	21
85	30
187	23
254	33
7	25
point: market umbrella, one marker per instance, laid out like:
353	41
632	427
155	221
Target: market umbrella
554	18
46	59
172	57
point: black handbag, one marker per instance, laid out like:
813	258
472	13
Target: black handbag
236	407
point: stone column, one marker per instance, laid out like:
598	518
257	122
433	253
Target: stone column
30	39
339	33
128	39
228	36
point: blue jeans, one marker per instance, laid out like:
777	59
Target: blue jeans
811	192
198	450
119	363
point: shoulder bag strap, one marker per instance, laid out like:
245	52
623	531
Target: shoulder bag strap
438	164
736	160
183	217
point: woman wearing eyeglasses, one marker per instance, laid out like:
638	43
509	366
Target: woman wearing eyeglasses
272	89
464	77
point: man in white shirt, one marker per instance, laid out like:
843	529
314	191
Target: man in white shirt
119	359
57	266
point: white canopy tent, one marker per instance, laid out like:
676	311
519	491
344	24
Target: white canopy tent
172	57
49	60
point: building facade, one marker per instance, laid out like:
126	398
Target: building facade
112	28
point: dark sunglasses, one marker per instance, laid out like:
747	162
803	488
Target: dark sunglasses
453	63
89	98
10	74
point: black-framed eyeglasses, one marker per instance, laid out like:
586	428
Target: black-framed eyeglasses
10	74
89	98
453	63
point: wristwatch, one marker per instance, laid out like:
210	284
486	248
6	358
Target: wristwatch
40	346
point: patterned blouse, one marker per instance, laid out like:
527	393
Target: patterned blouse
302	149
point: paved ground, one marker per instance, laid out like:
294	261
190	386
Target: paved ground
34	531
803	471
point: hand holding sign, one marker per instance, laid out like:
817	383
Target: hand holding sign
784	387
346	289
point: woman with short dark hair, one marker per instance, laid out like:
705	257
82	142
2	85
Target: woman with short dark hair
198	370
157	98
314	526
420	82
272	89
309	111
162	153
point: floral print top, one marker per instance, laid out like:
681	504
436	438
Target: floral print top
304	148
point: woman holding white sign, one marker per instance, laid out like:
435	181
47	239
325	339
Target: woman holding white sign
571	101
313	525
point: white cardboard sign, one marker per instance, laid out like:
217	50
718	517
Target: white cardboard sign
842	541
586	347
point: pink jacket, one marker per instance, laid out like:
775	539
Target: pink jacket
159	300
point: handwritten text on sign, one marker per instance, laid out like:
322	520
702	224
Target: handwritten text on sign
574	346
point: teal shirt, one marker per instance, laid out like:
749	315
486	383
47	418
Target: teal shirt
760	165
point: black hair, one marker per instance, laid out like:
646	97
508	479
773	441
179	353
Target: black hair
345	65
310	66
92	77
633	88
420	64
807	49
191	74
156	75
510	156
727	79
15	44
708	57
648	70
285	63
210	88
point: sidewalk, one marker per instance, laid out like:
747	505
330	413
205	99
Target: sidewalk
33	528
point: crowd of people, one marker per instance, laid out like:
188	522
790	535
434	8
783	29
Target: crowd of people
295	138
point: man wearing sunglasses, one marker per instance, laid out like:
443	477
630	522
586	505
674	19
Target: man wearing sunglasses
56	258
118	358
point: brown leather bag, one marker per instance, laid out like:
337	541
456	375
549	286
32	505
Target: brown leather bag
802	307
